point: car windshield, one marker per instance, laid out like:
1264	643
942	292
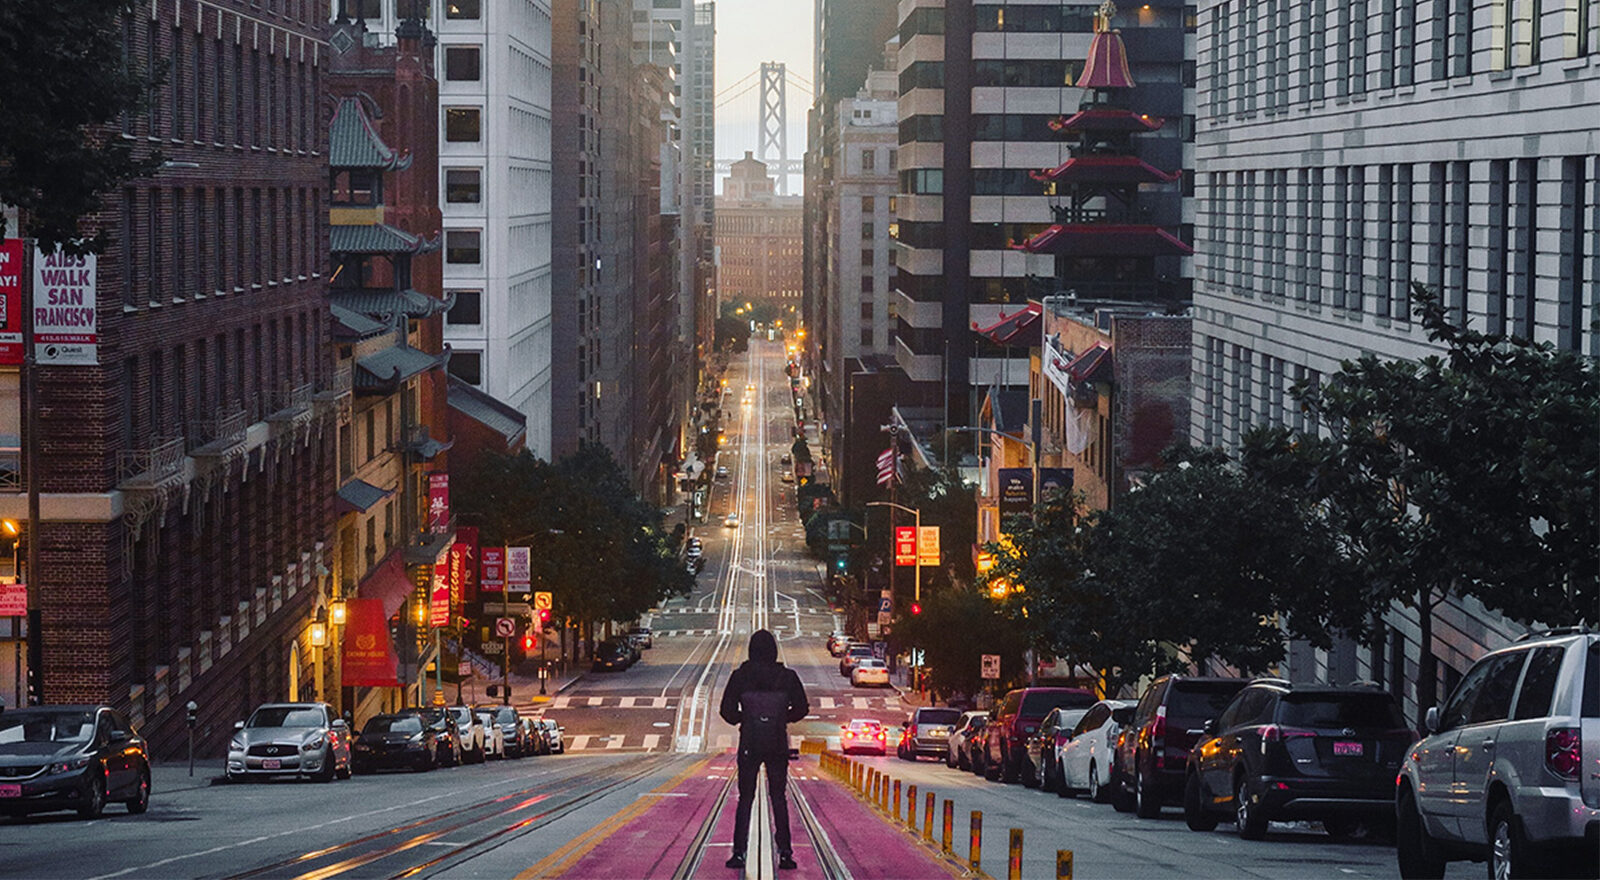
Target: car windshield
46	725
870	663
462	714
938	716
1039	703
977	722
286	716
1340	710
393	724
1191	703
506	715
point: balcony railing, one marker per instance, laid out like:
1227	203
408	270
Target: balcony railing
151	467
227	431
287	403
11	470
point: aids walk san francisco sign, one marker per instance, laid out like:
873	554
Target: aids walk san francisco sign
64	327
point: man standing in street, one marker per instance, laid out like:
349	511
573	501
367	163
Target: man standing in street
763	697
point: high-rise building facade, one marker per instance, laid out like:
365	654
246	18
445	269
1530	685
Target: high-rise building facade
1348	149
980	84
858	318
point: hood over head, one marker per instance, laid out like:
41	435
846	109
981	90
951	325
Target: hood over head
763	647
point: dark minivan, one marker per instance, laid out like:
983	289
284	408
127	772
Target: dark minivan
1154	748
1294	751
1004	754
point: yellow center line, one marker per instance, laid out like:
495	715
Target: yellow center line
562	859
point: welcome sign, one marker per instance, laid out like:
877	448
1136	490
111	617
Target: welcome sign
65	332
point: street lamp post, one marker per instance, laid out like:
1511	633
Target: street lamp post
917	524
16	622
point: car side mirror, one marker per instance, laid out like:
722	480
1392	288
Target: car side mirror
238	725
1430	721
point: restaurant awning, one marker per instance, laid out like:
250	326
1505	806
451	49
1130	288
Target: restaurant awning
387	583
358	496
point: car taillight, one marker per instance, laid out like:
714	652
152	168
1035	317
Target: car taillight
880	734
1563	752
1273	733
1158	727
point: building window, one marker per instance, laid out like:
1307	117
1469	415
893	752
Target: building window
467	366
466	10
462	125
866	337
866	257
468	308
867	231
462	185
461	64
868	205
463	246
866	310
869	160
867	284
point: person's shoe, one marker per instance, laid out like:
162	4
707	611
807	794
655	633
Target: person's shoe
735	861
786	862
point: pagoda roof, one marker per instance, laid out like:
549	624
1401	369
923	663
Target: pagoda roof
1019	328
1107	119
1106	67
354	325
378	238
354	143
386	369
1105	240
1105	168
1094	364
381	303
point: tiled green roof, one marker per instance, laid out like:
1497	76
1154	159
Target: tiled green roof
378	303
354	143
383	369
376	238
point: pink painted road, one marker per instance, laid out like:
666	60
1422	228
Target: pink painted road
654	844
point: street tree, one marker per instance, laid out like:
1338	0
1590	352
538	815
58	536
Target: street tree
955	629
66	79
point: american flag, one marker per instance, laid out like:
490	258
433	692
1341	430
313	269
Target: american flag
886	467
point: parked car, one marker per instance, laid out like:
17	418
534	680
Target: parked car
1045	745
612	655
863	735
1154	750
473	734
1087	759
514	735
853	653
1005	736
641	636
71	758
554	736
446	734
1509	771
290	739
869	671
836	643
964	736
722	472
494	739
731	521
695	547
787	476
785	458
926	731
404	741
1293	751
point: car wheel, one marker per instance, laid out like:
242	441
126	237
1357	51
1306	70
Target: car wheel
1509	856
141	799
326	773
347	771
1097	792
1195	814
1121	798
1027	774
95	804
1145	803
1417	853
1248	816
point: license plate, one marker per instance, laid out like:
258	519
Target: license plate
10	791
938	731
1352	749
272	764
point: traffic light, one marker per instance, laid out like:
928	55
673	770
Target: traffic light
916	608
544	616
840	563
527	642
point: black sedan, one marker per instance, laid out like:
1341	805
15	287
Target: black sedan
395	742
71	758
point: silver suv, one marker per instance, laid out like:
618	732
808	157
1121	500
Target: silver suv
1510	769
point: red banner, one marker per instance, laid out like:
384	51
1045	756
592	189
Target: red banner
438	502
11	301
905	545
467	541
368	656
492	569
439	596
456	574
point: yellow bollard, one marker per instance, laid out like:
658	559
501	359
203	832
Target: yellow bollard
1063	864
975	843
949	823
927	819
883	796
897	798
1014	859
911	808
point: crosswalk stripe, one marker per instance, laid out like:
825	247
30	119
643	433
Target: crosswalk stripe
580	742
597	701
615	742
858	702
826	702
560	702
626	703
651	740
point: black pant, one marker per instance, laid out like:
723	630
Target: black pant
777	782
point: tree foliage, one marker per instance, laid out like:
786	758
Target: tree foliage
944	501
597	546
956	627
64	78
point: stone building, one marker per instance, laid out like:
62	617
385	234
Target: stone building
759	238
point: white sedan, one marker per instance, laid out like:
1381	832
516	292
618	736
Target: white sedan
731	521
1086	758
870	671
494	738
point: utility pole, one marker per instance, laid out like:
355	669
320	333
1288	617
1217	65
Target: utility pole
30	470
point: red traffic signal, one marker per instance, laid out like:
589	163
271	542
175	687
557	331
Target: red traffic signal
544	615
916	608
527	642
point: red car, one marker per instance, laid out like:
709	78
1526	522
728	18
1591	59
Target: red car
1005	757
863	735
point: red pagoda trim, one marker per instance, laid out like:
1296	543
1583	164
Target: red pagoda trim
1092	364
1107	119
1105	169
1022	325
1107	64
1105	240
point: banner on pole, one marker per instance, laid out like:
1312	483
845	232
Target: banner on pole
905	545
492	569
519	568
11	301
65	328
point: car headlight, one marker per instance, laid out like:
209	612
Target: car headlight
237	745
312	744
70	765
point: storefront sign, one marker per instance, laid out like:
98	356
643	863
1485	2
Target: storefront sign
65	332
368	656
492	569
438	502
11	301
13	600
467	540
456	569
928	546
439	596
905	545
519	568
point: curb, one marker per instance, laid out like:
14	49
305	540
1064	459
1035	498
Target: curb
957	866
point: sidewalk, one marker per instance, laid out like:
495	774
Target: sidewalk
170	776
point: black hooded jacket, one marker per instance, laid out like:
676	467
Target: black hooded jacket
763	697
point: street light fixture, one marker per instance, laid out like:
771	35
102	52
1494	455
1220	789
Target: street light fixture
336	612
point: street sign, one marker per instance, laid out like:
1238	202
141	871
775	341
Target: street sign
519	568
885	618
885	605
505	627
991	666
928	546
464	669
905	545
13	600
872	630
543	601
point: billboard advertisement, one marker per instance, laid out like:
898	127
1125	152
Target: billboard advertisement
65	332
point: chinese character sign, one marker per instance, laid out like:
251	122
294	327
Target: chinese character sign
439	598
438	502
928	546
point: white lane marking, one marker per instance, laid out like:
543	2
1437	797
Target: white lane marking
651	741
597	701
826	703
580	742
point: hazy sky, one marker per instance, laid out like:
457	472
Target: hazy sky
748	33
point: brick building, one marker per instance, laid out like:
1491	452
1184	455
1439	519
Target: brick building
760	238
183	475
